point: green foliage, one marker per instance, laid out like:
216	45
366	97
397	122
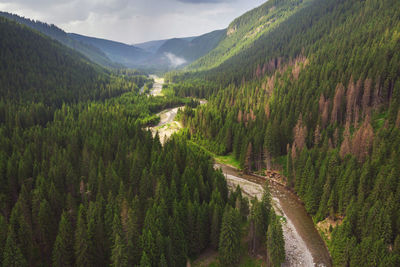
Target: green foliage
275	243
63	252
251	28
193	49
91	52
314	90
39	69
12	256
229	239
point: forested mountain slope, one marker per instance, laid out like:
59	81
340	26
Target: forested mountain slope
318	96
194	48
91	52
37	68
126	55
153	46
114	54
83	184
253	27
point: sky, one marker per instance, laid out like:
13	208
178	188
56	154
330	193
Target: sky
133	21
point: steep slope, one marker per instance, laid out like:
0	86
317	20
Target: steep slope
36	68
191	49
244	31
319	98
151	46
127	55
93	53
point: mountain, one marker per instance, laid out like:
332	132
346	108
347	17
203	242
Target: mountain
36	68
127	55
191	49
153	46
94	54
84	183
154	55
251	32
312	89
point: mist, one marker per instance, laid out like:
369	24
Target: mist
174	60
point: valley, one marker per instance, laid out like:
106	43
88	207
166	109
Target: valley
270	141
303	244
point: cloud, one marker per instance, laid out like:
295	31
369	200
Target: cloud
174	60
133	21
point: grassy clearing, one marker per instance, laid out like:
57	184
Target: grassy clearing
226	159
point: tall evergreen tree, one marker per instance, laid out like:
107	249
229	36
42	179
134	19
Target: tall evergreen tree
82	257
63	251
275	243
119	257
229	240
12	255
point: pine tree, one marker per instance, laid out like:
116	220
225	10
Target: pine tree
12	256
163	261
275	243
63	251
248	159
144	261
132	234
3	235
81	240
119	257
47	228
229	240
215	227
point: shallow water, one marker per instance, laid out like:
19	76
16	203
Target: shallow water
303	244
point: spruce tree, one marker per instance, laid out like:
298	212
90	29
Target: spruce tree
81	240
144	260
229	240
119	257
12	255
275	243
63	251
215	227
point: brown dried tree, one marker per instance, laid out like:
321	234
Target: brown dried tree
345	148
337	103
300	134
240	115
366	98
350	100
317	135
362	140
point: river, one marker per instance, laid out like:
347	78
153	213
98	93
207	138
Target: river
303	244
167	125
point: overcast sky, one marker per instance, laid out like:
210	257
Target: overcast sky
133	21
